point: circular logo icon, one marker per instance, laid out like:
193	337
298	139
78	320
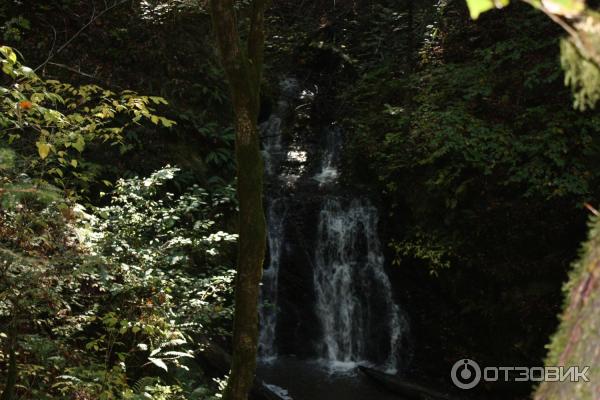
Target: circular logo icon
466	374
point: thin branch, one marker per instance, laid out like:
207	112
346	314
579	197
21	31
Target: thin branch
587	51
591	209
51	52
63	66
93	19
568	28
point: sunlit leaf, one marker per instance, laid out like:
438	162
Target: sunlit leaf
43	149
477	7
568	8
159	363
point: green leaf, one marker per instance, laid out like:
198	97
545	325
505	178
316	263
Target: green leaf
155	352
7	69
159	363
476	7
178	354
167	123
8	53
43	149
568	8
79	144
56	171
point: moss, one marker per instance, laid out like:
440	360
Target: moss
576	343
582	75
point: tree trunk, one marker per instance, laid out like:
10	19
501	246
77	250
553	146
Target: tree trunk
243	68
576	343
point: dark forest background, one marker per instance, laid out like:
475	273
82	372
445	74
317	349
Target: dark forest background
463	131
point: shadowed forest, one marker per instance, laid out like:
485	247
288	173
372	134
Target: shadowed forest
308	200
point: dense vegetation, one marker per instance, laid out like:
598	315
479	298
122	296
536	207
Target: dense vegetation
117	204
131	272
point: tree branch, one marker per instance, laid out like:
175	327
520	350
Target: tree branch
93	19
71	69
579	37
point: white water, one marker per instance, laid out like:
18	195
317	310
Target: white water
271	129
273	155
329	169
351	286
269	296
271	133
360	323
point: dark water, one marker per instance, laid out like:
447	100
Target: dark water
309	380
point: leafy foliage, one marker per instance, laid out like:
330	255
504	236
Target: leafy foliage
61	121
480	6
579	55
581	74
481	165
130	299
120	293
473	126
559	7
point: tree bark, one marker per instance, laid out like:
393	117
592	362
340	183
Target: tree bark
243	68
576	343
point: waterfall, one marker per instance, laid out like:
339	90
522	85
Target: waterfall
273	155
345	289
353	293
269	296
329	171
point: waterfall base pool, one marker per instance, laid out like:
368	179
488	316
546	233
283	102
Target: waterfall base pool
311	380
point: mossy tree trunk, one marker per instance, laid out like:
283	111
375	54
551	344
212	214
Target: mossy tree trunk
243	66
577	341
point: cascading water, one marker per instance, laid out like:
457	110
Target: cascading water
353	292
273	154
329	171
269	296
325	294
